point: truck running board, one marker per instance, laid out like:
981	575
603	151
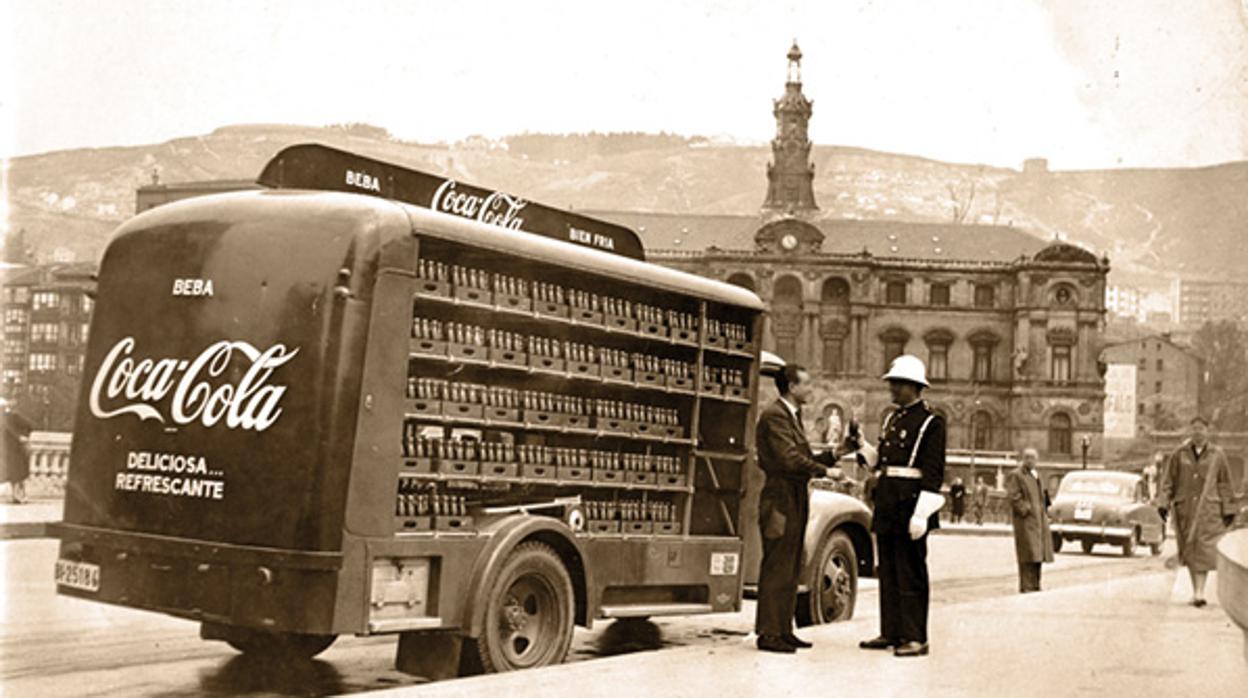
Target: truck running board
655	609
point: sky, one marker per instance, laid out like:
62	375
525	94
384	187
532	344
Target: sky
1110	83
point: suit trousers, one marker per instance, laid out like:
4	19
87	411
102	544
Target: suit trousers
783	508
904	589
1028	577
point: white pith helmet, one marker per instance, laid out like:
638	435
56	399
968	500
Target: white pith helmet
907	368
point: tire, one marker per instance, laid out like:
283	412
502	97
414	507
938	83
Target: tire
833	583
1057	543
1087	546
1128	545
274	645
530	612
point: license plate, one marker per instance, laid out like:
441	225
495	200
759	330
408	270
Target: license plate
1083	514
78	575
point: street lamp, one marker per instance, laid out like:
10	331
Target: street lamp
1085	443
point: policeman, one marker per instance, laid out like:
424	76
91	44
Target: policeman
911	467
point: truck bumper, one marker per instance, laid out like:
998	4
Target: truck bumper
1090	530
247	586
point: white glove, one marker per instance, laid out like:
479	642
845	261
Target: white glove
870	456
929	503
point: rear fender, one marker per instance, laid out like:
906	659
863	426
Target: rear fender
506	535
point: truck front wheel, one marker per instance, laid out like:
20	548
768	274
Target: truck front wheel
530	612
833	583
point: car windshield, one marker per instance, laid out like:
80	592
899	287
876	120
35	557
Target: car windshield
1094	486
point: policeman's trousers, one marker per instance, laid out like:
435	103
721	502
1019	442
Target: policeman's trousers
904	587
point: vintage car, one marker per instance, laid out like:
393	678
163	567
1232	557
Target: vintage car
1105	506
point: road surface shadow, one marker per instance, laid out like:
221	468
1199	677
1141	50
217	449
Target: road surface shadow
628	635
242	675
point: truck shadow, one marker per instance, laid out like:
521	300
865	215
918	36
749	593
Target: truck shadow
628	635
242	675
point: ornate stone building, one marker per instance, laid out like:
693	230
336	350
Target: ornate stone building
1008	324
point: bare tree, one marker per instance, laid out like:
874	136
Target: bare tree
961	202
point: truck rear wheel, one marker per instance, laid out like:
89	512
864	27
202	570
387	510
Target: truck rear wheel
833	584
260	643
530	612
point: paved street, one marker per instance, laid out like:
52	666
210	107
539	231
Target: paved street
60	646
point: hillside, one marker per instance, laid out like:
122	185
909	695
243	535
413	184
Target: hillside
1148	221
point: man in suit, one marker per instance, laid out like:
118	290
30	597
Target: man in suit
911	463
1029	502
786	458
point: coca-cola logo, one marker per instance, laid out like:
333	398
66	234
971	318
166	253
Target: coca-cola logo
124	385
496	209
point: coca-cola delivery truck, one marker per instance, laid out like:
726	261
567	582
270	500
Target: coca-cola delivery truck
369	400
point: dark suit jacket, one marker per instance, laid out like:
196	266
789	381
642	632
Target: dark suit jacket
895	497
784	453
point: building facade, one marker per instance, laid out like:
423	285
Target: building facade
1010	326
1211	300
1170	380
46	321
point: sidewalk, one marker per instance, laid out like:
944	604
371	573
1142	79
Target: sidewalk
28	520
1130	637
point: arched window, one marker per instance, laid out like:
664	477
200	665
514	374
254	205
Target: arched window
743	280
981	431
1060	434
938	342
834	324
894	342
786	305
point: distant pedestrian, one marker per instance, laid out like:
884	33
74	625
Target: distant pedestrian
15	467
1029	502
957	499
979	501
1196	488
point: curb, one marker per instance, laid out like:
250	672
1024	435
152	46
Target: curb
18	531
982	532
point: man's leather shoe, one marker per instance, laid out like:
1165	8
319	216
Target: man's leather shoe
877	643
774	643
911	649
796	641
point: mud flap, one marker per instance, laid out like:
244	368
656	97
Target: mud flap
435	655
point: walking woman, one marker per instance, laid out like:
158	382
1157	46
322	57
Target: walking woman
1196	488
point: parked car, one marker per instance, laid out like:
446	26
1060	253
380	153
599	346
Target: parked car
1106	506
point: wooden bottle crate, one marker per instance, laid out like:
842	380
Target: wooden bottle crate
494	469
620	322
408	524
429	287
452	523
509	301
472	294
507	357
573	472
463	409
428	347
470	352
458	467
538	471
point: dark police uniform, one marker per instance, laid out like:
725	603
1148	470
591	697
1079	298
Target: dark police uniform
911	458
785	456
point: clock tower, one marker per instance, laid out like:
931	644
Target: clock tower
790	174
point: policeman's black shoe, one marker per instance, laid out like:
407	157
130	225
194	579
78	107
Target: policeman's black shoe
877	643
911	649
1199	603
774	643
796	641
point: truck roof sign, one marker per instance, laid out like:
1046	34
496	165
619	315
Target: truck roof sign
320	167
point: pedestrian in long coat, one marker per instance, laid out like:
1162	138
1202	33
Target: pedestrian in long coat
1197	490
1033	544
15	467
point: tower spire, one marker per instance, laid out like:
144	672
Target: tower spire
790	174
